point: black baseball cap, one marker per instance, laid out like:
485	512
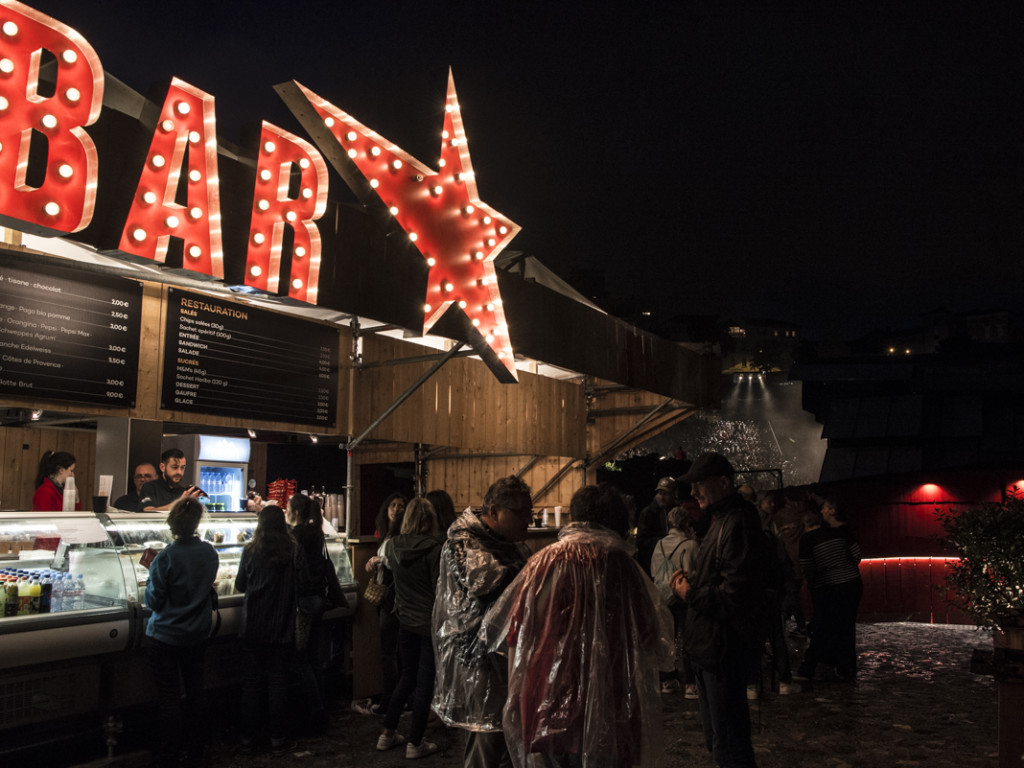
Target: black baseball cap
708	465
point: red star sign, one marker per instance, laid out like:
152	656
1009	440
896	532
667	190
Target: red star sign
440	212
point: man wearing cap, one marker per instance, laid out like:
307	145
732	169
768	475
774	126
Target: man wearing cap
727	609
652	526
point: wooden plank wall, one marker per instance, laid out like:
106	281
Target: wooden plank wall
20	451
463	405
467	478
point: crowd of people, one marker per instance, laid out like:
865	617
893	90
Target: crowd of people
558	658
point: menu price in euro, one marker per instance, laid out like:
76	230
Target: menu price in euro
68	335
236	360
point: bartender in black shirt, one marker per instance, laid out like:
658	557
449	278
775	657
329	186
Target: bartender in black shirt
160	494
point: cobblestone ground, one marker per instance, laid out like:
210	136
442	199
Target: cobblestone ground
915	703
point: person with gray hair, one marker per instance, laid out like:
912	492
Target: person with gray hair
675	553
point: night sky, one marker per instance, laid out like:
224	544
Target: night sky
839	168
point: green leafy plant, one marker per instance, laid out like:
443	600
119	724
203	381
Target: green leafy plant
988	580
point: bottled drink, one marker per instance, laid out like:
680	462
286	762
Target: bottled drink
46	596
24	596
79	592
57	594
35	596
11	598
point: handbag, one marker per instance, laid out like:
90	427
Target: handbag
376	593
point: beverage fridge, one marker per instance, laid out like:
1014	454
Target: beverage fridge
218	465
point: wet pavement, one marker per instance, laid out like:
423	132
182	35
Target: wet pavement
915	703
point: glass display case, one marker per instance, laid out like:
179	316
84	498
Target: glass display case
133	534
64	594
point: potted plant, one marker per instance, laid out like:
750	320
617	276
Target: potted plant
988	582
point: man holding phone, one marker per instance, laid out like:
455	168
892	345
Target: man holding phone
159	495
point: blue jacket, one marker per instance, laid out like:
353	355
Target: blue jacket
178	592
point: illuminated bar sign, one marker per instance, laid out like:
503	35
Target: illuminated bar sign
234	360
165	202
66	335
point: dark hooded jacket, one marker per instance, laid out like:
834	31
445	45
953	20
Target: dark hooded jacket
727	607
414	561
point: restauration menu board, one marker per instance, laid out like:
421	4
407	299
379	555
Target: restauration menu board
234	360
68	335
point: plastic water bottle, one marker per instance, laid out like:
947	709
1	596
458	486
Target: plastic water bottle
79	592
57	594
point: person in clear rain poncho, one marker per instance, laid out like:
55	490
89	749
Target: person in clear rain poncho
479	560
586	634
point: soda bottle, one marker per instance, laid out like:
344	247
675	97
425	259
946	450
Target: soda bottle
24	596
46	595
35	595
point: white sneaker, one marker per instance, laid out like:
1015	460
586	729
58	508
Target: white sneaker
385	742
785	689
691	692
752	692
424	748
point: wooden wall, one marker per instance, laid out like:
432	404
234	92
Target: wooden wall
463	405
20	451
467	478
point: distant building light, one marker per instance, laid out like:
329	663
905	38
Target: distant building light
646	313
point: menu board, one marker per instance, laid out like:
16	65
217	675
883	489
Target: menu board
68	335
234	360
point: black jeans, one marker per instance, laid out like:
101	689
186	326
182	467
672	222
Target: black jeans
417	653
265	668
389	658
178	670
724	711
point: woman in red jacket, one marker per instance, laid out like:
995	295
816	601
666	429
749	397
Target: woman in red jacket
54	470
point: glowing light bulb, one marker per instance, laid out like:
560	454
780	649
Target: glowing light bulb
194	137
269	147
263	205
486	220
65	171
51	208
351	135
172	221
300	251
491	241
453	143
3	103
413	236
441	163
478	255
290	216
438	190
352	153
502	230
195	212
431	261
329	122
167	126
448	107
195	251
396	164
490	338
489	307
255	271
296	283
266	175
393	210
448	287
304	163
426	308
69	56
49	121
258	238
149	198
375	151
6	66
195	176
476	322
307	193
462	304
374	183
182	107
138	235
10	28
444	134
73	95
468	210
158	161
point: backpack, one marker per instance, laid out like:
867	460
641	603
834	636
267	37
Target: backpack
663	575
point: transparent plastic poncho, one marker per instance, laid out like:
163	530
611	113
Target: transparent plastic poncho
476	566
586	635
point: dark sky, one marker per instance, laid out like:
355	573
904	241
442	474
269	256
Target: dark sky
843	168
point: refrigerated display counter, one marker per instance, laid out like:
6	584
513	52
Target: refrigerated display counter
90	656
